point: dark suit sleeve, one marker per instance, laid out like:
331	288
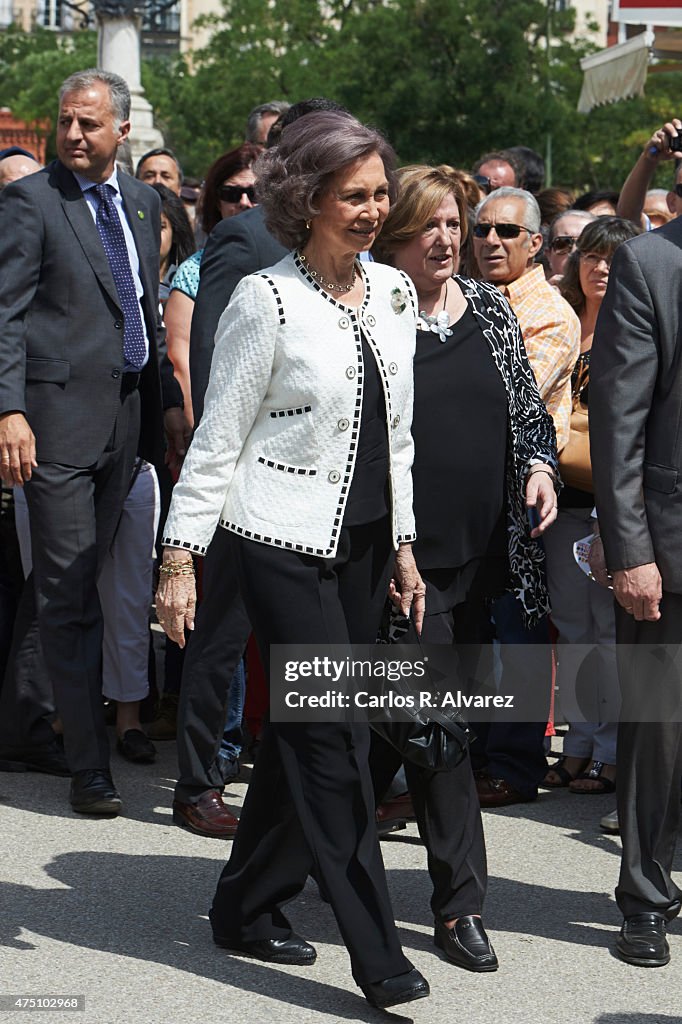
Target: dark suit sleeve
231	253
21	257
623	371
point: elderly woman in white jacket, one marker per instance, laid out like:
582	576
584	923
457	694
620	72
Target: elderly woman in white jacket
304	454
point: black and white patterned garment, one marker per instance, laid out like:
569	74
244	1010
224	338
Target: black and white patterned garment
532	438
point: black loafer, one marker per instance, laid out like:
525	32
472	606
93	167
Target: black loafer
293	950
467	944
642	941
49	759
136	747
93	792
403	988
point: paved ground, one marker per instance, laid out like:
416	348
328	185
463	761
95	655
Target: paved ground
115	911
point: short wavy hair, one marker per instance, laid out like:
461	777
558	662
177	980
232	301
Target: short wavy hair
294	174
602	235
422	189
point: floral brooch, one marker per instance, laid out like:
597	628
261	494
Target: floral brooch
398	301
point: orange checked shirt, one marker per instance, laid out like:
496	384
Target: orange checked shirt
551	334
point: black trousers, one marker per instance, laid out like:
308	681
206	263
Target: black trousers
649	760
446	803
213	651
310	802
56	656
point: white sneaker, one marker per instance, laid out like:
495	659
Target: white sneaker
610	822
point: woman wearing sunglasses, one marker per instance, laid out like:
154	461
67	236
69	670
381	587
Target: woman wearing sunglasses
583	612
229	189
484	450
564	232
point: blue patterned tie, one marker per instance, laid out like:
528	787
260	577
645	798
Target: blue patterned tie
113	240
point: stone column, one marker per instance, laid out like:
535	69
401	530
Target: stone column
118	49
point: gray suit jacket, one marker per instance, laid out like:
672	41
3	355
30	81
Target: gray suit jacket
636	406
61	326
236	247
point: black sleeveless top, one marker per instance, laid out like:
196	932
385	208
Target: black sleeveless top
368	498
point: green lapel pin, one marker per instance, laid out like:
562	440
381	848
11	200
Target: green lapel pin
140	214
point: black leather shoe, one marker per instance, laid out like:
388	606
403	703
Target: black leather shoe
403	988
642	941
93	792
136	747
49	759
293	950
467	944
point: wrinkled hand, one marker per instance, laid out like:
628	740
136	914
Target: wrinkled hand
597	563
407	589
176	600
17	449
178	435
540	495
639	591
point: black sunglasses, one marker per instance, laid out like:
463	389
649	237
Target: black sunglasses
563	244
485	184
502	230
233	193
678	190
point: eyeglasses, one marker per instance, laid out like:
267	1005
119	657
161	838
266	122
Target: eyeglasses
485	184
234	193
502	230
593	259
563	244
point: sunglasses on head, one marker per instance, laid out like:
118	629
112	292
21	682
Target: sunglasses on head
234	193
563	244
501	230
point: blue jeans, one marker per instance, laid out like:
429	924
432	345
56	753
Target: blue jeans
231	743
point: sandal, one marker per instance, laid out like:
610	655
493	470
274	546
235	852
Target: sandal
594	774
563	774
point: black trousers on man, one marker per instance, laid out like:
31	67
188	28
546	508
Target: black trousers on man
649	758
56	656
310	802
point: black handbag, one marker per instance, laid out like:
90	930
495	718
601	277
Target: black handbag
436	739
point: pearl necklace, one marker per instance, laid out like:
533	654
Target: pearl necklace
329	286
437	323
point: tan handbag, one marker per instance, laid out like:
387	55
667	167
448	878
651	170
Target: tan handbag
574	461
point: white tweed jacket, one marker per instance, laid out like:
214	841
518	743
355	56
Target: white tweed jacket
274	454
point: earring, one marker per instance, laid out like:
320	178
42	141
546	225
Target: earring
307	225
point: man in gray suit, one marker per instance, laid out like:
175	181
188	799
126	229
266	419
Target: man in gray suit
80	394
636	443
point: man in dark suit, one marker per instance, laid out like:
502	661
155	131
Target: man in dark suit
636	443
80	394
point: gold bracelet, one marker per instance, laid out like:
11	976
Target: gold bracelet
537	468
177	568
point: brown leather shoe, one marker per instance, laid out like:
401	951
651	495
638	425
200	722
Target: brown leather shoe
394	814
207	817
498	792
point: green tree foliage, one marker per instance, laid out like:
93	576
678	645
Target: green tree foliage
32	67
446	80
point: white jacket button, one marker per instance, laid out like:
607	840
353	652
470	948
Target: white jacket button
334	477
343	424
371	320
350	372
393	368
344	322
396	421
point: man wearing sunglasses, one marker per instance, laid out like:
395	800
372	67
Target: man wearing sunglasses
509	756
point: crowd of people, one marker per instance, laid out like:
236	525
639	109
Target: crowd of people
303	396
